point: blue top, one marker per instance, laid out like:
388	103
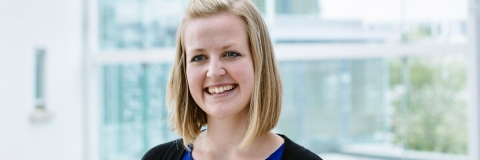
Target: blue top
277	155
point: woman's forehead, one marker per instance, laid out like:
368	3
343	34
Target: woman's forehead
219	31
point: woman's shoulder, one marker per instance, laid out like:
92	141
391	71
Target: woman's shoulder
293	150
170	150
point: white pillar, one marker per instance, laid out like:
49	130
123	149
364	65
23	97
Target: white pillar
473	59
91	80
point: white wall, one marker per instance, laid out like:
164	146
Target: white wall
54	25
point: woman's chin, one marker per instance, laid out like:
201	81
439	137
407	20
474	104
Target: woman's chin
223	112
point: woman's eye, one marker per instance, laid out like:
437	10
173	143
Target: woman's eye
198	58
232	54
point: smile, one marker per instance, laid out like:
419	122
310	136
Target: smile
220	89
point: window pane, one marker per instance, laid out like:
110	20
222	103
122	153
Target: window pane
432	108
134	24
134	117
377	108
328	103
370	21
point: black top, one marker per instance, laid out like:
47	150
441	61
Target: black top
174	150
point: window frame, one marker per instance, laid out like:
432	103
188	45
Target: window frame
473	79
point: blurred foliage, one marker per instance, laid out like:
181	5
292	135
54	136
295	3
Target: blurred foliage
417	33
430	112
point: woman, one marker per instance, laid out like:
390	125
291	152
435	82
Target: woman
225	79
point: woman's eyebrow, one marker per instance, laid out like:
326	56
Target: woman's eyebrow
228	45
225	46
197	50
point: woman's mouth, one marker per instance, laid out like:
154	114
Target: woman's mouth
220	89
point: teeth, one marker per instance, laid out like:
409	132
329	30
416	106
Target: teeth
221	89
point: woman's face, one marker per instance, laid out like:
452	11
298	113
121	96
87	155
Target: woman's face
219	65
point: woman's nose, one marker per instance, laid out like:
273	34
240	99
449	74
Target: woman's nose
215	69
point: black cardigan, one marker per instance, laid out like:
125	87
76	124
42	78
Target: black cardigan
174	150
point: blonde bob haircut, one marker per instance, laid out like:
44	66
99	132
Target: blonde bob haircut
186	117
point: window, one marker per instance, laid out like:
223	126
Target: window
366	79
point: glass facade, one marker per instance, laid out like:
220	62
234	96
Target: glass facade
145	24
329	105
331	102
134	117
138	24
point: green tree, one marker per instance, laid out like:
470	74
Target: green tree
432	116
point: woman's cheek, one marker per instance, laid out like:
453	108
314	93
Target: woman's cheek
194	79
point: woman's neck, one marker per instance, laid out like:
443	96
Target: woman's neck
226	133
222	138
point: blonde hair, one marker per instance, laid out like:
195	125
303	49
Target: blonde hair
186	117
